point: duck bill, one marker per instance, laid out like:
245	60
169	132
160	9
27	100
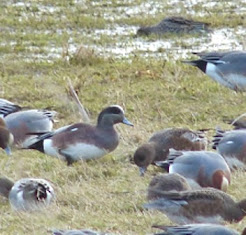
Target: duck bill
142	171
7	150
125	121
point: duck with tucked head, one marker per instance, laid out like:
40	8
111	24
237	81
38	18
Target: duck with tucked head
83	141
232	146
28	194
22	122
208	205
196	229
175	25
77	232
166	182
157	148
200	168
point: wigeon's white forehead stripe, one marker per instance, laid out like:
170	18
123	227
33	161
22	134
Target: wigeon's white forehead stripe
119	107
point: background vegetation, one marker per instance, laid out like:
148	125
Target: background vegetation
43	43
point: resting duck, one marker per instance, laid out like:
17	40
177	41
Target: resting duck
27	194
22	122
232	146
166	182
200	168
77	232
199	206
196	229
175	25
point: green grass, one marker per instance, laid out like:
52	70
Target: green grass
107	194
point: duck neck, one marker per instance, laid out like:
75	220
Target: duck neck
105	123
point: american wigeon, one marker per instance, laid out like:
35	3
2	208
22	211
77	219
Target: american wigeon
28	194
157	148
22	122
196	229
6	138
175	25
77	232
226	68
82	141
199	206
232	146
166	182
200	168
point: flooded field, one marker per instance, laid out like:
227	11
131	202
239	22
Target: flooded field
41	30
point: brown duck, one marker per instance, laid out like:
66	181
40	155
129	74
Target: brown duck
164	183
157	148
199	206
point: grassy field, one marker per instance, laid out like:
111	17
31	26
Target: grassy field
43	43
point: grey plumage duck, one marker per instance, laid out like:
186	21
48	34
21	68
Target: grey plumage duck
200	168
77	232
27	194
227	68
196	229
21	122
199	206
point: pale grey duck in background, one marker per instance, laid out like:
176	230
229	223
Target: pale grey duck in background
208	205
83	141
22	122
166	182
175	25
226	68
27	194
6	138
200	168
77	232
196	229
232	146
157	148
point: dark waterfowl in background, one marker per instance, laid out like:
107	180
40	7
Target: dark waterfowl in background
175	25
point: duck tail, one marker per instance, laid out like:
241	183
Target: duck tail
5	186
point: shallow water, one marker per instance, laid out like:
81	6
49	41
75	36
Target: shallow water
123	44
